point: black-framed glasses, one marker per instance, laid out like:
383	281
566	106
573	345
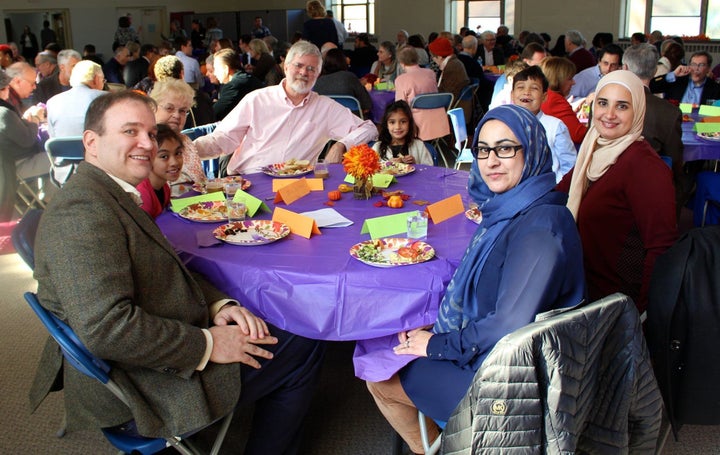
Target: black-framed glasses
482	152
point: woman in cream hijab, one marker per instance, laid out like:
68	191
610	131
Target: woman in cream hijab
620	193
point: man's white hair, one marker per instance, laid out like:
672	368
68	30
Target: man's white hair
302	48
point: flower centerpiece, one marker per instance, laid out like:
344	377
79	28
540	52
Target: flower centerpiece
361	162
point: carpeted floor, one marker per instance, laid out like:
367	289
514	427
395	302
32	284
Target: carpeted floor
343	419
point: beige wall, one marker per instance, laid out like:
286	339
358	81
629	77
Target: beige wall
95	21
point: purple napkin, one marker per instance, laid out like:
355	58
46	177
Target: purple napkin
206	238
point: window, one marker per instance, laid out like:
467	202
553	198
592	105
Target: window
481	15
673	17
358	16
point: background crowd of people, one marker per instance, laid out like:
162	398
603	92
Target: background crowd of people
596	189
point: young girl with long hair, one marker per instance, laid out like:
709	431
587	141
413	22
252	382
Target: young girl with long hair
398	140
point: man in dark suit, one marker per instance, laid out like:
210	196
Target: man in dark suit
689	84
113	69
137	69
663	120
489	52
181	351
362	58
467	57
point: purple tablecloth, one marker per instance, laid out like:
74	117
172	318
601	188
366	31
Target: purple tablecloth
695	148
380	100
313	287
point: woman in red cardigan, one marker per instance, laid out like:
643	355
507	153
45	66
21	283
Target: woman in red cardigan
620	193
559	72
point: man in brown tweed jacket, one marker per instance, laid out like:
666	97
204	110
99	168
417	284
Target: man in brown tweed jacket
183	353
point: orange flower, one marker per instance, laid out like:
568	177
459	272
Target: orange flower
361	161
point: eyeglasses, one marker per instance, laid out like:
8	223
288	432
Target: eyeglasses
308	68
170	109
501	151
698	65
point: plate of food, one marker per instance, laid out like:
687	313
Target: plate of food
709	136
251	232
200	187
290	168
392	252
396	168
474	214
205	212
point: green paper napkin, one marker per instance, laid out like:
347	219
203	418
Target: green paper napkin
709	110
702	127
252	203
378	180
178	204
385	226
686	108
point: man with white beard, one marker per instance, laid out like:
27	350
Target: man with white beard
284	121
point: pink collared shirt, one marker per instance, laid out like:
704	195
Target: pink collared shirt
266	128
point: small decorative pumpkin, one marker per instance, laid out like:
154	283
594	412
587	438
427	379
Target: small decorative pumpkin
334	195
395	202
345	188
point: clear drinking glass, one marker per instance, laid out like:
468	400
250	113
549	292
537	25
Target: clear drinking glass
213	185
236	210
321	170
231	188
417	225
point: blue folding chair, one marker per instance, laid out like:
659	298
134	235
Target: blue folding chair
23	236
122	436
433	152
467	99
706	209
349	102
65	153
457	120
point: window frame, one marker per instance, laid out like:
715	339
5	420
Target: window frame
503	19
338	7
704	5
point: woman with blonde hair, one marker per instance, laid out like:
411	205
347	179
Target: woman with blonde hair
319	29
559	72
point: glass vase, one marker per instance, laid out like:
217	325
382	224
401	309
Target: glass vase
362	189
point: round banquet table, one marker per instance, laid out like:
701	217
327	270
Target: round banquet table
695	148
314	288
